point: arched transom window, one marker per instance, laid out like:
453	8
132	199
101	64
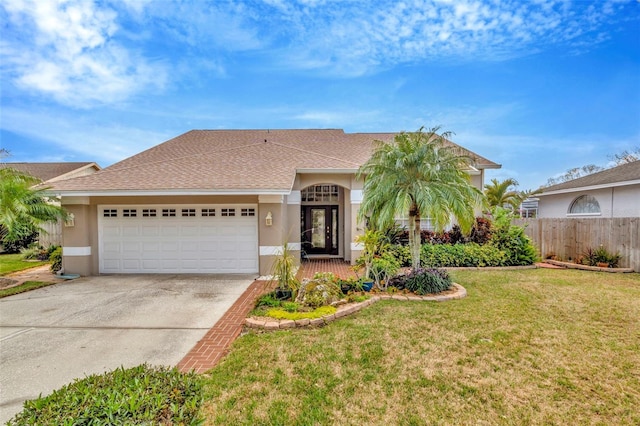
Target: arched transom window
585	204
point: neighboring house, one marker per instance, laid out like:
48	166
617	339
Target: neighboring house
222	201
52	172
614	192
529	208
49	173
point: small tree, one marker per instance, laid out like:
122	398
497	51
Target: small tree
283	270
24	207
502	193
419	174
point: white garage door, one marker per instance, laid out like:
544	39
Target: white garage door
178	238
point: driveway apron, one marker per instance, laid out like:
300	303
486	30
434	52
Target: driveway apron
53	335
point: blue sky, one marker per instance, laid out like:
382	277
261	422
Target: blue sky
537	86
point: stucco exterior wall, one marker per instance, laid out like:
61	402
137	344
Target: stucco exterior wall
623	201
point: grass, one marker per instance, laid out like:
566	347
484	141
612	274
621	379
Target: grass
525	347
25	286
141	395
13	263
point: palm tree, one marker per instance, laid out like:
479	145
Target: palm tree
500	193
23	207
419	173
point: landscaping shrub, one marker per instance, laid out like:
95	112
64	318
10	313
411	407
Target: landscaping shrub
56	259
16	246
269	300
37	252
138	395
511	239
516	245
461	255
322	290
399	282
427	281
402	253
480	234
592	257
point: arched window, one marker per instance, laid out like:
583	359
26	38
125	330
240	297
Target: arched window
585	204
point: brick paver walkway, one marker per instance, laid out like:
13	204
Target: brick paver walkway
216	343
339	267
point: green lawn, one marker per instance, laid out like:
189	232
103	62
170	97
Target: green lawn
525	347
13	263
25	286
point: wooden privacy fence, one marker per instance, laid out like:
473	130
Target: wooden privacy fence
569	238
53	234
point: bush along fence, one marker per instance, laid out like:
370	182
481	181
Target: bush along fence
567	239
494	242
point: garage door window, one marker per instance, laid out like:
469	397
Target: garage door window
110	213
208	212
168	212
247	212
148	212
129	212
228	212
188	212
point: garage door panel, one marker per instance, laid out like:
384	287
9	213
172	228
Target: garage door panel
150	231
111	265
209	230
196	242
170	230
131	230
151	265
150	248
129	246
131	264
112	230
209	246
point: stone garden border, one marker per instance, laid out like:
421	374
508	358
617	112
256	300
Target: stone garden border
571	265
348	309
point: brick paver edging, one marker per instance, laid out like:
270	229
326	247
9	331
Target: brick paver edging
351	308
215	344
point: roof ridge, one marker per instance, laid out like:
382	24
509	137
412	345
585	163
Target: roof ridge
314	152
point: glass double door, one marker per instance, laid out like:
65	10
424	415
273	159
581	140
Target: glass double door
320	229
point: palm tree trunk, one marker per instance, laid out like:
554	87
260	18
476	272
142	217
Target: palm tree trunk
414	236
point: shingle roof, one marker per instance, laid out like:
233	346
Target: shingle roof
623	173
235	160
46	171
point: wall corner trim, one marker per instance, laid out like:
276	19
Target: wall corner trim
76	251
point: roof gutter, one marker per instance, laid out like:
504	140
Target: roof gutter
590	187
327	171
191	192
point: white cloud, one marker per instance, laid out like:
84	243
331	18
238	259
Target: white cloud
88	140
358	37
66	50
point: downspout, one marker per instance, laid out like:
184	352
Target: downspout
612	194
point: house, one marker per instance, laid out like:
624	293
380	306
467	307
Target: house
52	172
614	192
49	173
529	207
222	201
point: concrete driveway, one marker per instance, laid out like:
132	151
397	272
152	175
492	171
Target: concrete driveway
50	336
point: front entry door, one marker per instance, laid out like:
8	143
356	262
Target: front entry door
320	229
